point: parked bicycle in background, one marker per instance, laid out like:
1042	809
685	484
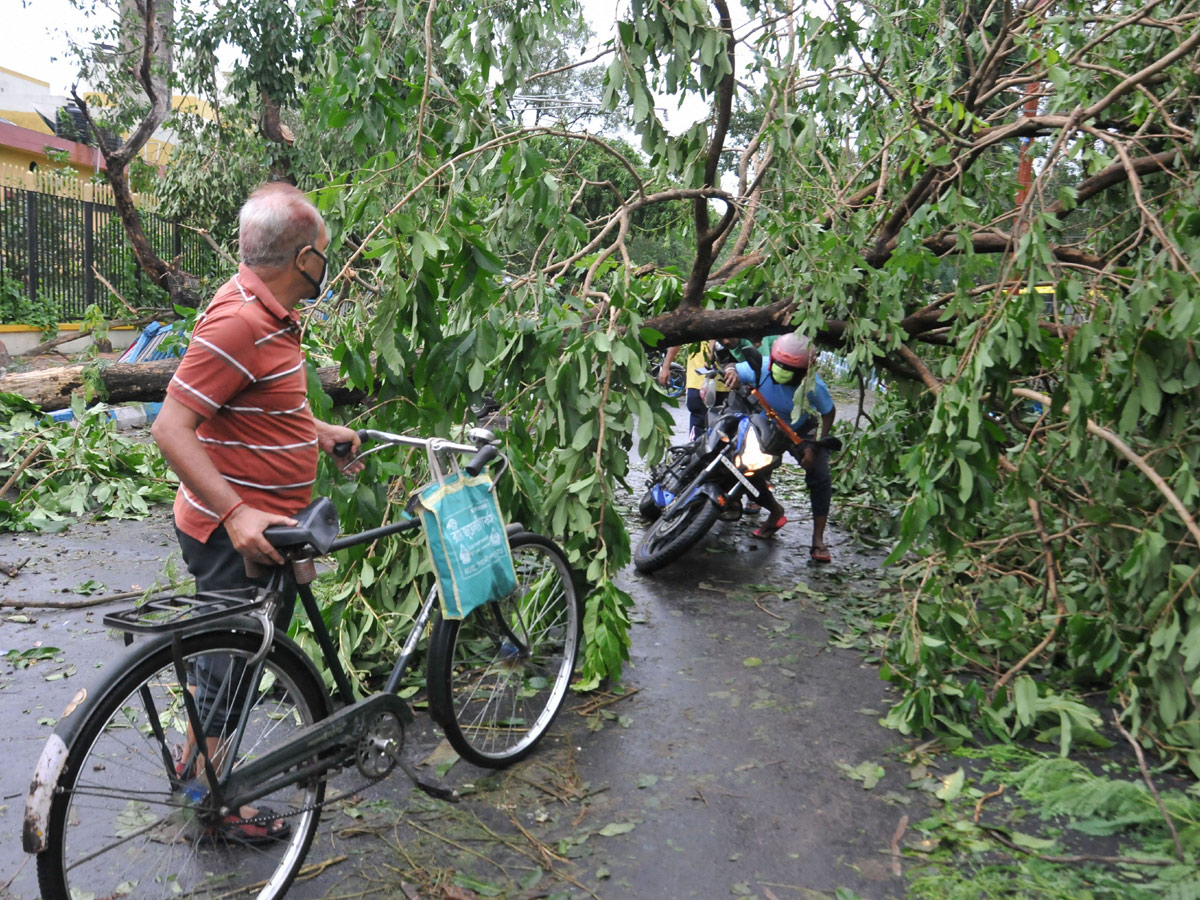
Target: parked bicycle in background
676	375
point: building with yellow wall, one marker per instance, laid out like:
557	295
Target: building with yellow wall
25	105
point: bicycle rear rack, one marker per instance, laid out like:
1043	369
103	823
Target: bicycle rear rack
159	615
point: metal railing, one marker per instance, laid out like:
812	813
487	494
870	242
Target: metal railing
59	250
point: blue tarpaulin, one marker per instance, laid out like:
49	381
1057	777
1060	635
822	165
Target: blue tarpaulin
146	347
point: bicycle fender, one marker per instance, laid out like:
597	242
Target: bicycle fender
41	792
58	746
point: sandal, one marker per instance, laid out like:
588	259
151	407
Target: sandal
261	828
819	554
768	529
179	754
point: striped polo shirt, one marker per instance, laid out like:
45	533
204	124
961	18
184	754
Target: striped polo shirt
244	375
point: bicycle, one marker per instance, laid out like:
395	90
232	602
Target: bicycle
124	803
675	380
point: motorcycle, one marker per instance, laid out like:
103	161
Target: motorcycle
709	477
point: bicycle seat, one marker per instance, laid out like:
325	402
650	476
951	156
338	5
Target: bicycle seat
317	525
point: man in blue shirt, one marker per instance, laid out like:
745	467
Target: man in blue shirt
790	362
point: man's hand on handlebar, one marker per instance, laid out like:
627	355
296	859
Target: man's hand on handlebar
731	378
334	438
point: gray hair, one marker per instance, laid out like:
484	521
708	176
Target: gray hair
276	221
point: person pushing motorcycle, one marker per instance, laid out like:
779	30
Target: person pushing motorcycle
788	375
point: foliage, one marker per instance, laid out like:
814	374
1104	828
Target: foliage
1042	560
221	154
63	471
559	493
17	309
1055	822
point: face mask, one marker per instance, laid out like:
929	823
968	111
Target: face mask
781	375
318	286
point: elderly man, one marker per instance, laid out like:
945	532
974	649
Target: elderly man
236	426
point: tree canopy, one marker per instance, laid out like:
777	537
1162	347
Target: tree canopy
994	204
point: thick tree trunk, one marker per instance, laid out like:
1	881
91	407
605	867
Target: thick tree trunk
52	389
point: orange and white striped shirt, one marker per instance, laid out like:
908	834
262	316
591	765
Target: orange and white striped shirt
244	374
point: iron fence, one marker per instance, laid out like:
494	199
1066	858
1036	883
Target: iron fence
56	250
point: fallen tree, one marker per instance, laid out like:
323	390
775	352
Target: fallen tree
145	382
887	202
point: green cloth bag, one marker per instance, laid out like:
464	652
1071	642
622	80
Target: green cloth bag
467	542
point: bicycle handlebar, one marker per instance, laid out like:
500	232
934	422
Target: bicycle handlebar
480	437
483	445
486	454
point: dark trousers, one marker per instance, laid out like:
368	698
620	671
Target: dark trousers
698	423
819	482
220	688
817	477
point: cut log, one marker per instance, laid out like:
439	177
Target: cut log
144	382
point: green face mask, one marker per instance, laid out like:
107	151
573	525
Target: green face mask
781	375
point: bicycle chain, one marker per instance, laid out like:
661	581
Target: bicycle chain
267	820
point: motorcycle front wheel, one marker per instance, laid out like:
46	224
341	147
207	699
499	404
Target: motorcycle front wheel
669	538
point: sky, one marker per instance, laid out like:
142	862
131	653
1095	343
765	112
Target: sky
31	39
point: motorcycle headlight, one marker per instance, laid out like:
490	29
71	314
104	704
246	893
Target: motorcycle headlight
752	458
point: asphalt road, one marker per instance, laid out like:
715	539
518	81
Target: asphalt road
717	768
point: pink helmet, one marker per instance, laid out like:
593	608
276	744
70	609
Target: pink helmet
792	352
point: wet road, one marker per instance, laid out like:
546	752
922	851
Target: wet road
717	770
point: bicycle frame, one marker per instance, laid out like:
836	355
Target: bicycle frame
344	727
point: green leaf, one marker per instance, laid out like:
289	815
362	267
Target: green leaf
1025	698
480	887
475	375
1030	842
951	786
868	773
613	829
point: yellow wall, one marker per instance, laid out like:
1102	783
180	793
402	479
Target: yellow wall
20	159
155	153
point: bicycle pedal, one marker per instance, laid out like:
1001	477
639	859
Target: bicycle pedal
430	784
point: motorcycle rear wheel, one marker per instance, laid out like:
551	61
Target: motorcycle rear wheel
668	539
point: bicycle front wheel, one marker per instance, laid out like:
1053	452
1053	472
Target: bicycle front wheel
498	677
129	819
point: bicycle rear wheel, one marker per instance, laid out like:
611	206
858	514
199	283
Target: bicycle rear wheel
498	678
127	820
